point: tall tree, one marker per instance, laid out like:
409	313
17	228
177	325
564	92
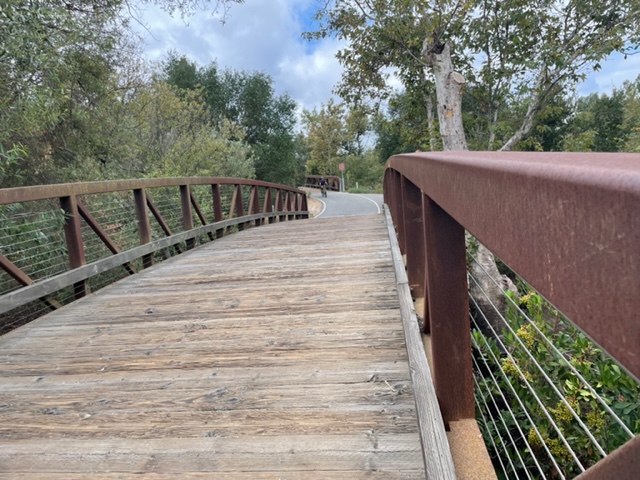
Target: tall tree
248	100
632	115
327	135
520	46
61	62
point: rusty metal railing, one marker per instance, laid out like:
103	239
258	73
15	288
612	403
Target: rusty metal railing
121	225
568	224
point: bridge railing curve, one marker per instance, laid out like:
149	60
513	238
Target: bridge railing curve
57	240
568	224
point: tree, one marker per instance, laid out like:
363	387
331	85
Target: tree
599	118
404	127
521	47
632	115
326	134
248	100
61	63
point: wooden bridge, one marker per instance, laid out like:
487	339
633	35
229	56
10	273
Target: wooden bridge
292	350
246	358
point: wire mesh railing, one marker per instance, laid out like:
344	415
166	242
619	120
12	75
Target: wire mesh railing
549	400
61	242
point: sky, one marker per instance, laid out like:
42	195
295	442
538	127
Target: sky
265	35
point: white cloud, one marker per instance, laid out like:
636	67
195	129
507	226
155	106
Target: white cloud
614	72
258	35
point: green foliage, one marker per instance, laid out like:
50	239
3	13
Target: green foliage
248	100
326	135
175	137
631	123
405	126
509	51
365	171
597	124
520	372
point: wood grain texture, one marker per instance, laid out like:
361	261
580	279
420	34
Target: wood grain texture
274	353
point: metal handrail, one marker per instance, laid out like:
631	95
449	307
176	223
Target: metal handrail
567	223
279	203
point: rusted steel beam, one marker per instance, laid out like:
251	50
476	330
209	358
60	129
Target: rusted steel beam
187	214
217	208
624	462
254	202
448	313
43	192
304	206
25	280
75	245
144	228
101	233
279	204
291	204
426	320
414	238
198	210
268	204
236	205
567	223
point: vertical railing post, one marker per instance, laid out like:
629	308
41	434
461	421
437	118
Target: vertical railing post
217	208
288	204
254	203
144	228
236	205
279	205
400	213
187	215
73	236
304	206
414	237
267	207
448	312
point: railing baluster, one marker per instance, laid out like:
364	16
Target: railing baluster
75	246
279	204
268	205
187	214
236	205
414	234
254	203
144	228
217	208
448	313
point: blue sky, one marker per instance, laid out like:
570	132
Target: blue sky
265	35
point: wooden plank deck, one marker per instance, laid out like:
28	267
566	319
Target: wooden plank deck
274	353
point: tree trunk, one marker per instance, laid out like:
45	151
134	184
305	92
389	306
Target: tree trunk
431	124
527	124
449	85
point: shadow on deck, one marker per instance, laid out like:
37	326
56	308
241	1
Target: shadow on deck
277	352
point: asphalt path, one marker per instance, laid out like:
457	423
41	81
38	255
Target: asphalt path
338	204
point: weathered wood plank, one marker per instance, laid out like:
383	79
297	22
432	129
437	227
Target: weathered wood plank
275	352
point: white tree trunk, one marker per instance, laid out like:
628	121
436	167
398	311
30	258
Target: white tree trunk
527	124
449	86
431	124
